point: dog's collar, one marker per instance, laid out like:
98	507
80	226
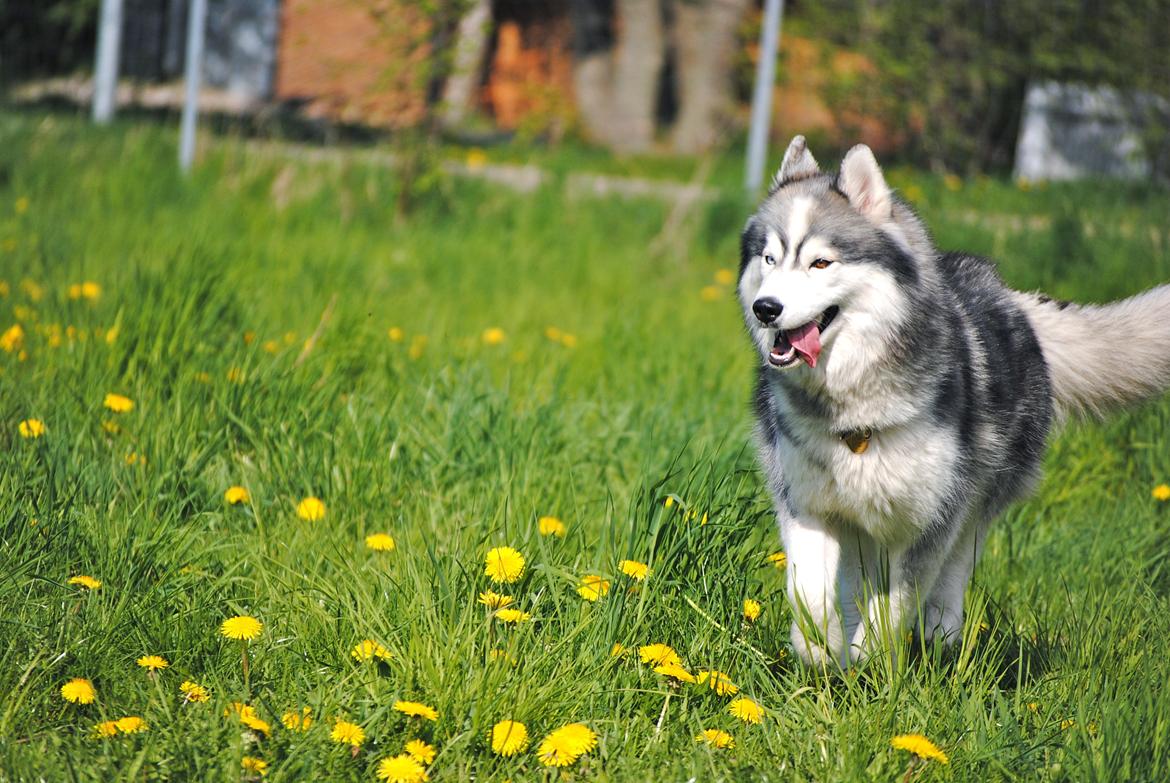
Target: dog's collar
857	440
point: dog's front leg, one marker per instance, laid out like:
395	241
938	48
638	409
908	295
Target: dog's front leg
894	603
815	557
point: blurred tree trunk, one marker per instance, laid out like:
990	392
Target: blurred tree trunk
592	72
704	37
471	41
636	75
618	77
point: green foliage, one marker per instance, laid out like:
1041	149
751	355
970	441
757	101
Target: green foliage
955	72
454	445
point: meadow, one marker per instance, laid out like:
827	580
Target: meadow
187	361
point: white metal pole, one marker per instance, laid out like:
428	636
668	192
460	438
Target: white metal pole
105	72
196	21
762	96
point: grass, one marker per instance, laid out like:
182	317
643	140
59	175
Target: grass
252	304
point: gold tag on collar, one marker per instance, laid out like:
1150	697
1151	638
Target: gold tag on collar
857	440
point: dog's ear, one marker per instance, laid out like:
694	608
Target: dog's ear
862	183
798	163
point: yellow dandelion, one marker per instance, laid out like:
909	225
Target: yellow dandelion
380	542
718	682
418	346
153	662
715	738
551	526
659	654
311	509
675	671
131	724
21	205
298	721
111	427
248	716
118	403
618	650
779	560
1034	707
565	745
79	691
243	627
270	346
493	600
503	564
592	587
509	737
194	692
13	339
635	570
746	710
669	502
368	649
395	334
952	182
346	733
401	769
236	495
724	276
751	610
501	655
512	616
1162	492
31	428
569	340
106	728
920	746
420	751
134	458
416	709
1067	724
553	333
236	375
88	582
493	336
253	764
711	293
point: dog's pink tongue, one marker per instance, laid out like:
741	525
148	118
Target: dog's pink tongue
807	342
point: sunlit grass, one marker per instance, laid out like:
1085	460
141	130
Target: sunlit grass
282	336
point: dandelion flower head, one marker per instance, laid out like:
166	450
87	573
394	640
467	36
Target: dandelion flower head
242	627
401	769
416	709
420	751
551	526
88	582
347	733
79	691
920	746
635	570
118	403
715	738
31	428
509	737
503	564
659	654
718	682
311	509
380	542
236	495
746	710
593	587
153	662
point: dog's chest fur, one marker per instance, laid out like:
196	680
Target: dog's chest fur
891	490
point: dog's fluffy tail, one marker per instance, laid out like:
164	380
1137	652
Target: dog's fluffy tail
1102	357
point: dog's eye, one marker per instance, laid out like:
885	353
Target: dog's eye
821	263
769	259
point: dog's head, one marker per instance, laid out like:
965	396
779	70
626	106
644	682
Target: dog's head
826	257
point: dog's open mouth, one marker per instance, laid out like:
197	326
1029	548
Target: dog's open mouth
803	342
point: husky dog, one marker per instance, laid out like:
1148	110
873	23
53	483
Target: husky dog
904	398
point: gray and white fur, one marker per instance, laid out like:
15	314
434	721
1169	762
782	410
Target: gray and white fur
955	378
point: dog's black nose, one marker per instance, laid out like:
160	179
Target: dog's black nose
767	309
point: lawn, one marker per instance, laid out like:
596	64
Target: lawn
449	379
